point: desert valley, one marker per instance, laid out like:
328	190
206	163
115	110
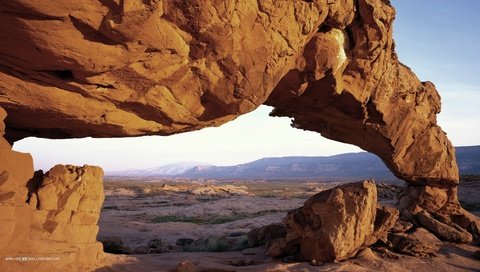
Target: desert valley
209	225
312	76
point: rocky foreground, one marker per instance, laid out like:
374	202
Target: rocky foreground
237	226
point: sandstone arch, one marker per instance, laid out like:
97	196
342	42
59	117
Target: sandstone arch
130	67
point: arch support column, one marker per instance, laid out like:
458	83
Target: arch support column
349	86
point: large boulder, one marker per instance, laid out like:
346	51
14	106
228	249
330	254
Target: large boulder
331	225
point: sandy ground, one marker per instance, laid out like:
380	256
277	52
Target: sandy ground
453	257
139	212
136	213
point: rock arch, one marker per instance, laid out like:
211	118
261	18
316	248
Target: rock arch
130	67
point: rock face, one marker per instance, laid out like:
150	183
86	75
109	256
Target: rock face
15	215
385	220
349	85
266	234
53	217
418	243
139	67
331	225
123	68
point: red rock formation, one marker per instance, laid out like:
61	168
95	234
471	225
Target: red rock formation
349	85
110	69
331	225
121	68
48	223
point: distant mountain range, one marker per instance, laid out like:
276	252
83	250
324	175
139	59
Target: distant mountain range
168	170
361	165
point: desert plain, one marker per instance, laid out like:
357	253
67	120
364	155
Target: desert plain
155	224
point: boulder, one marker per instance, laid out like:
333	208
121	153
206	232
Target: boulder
186	266
418	243
385	219
58	229
331	225
264	234
443	230
367	254
401	226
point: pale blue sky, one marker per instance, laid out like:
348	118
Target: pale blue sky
438	39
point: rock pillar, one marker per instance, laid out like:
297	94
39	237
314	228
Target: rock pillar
48	222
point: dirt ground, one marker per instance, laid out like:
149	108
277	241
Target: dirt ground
215	216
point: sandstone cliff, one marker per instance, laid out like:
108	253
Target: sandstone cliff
48	223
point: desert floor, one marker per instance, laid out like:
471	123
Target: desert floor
162	223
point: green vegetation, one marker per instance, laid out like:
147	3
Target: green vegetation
213	219
217	244
260	188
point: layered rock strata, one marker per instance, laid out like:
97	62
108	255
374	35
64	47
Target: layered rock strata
48	222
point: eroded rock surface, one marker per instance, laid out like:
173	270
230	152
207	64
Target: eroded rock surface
51	219
420	242
125	68
349	85
446	230
15	215
331	225
385	220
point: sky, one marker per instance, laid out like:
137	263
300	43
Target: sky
438	39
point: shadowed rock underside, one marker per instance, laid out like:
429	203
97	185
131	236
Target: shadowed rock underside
108	69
